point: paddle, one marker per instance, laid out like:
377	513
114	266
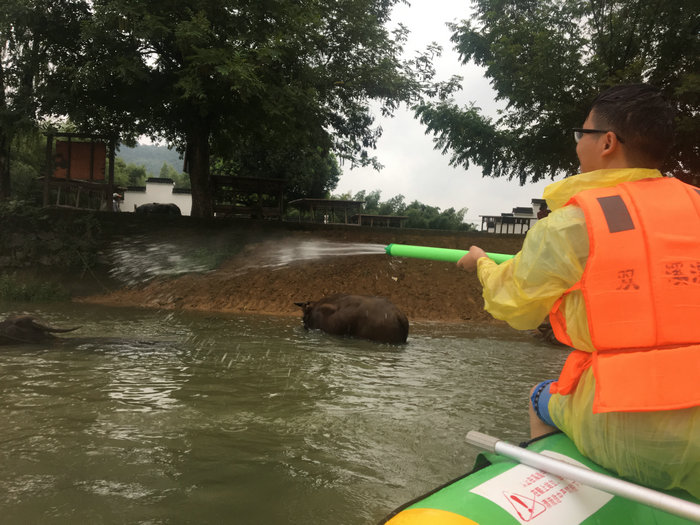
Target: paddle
437	254
609	484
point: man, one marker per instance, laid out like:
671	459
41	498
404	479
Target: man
617	266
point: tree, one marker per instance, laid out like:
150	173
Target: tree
547	59
215	76
309	172
419	215
371	200
394	206
26	154
429	217
167	171
35	39
129	174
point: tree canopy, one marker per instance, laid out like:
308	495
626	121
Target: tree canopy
36	38
151	156
129	174
262	84
547	60
418	215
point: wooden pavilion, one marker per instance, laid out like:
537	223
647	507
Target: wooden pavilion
75	171
248	196
327	210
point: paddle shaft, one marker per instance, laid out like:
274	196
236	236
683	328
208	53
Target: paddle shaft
617	487
437	254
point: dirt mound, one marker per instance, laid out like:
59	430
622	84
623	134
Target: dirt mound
424	290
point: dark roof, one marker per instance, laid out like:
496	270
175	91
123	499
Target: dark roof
374	215
248	184
522	209
324	202
160	180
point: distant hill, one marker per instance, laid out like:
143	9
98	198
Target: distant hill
151	157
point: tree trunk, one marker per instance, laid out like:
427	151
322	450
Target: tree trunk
198	163
5	140
4	166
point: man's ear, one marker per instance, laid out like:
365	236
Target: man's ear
611	144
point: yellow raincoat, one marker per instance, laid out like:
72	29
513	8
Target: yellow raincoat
658	449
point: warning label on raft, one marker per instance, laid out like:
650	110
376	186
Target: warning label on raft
534	496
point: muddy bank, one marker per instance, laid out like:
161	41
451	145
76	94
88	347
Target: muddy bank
245	282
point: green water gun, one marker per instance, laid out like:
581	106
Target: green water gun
437	254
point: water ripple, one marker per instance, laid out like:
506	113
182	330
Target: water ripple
193	418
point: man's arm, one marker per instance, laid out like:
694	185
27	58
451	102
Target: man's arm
521	291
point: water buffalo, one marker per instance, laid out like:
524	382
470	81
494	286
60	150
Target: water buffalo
25	329
362	316
158	208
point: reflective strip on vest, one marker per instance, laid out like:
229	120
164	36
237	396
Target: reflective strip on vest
641	287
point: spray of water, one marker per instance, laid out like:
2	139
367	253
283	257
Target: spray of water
140	259
278	254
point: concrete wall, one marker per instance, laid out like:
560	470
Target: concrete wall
156	190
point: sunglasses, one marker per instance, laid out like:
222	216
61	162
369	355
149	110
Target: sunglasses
578	133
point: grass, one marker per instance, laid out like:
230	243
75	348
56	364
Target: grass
12	290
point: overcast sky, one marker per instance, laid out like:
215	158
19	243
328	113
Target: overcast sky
412	167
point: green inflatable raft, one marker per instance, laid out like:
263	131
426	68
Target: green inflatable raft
504	491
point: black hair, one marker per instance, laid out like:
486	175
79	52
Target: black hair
640	115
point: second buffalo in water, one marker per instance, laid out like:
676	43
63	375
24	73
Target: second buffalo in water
363	316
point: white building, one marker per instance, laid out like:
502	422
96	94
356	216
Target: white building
160	190
518	221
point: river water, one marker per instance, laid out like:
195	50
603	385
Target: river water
167	418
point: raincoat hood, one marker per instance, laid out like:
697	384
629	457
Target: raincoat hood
558	193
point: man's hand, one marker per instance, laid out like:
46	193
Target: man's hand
468	262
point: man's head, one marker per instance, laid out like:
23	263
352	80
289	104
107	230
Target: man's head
634	129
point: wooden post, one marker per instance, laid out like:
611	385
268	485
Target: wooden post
70	157
49	165
110	177
92	160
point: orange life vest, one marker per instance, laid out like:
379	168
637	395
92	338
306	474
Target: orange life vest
641	288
